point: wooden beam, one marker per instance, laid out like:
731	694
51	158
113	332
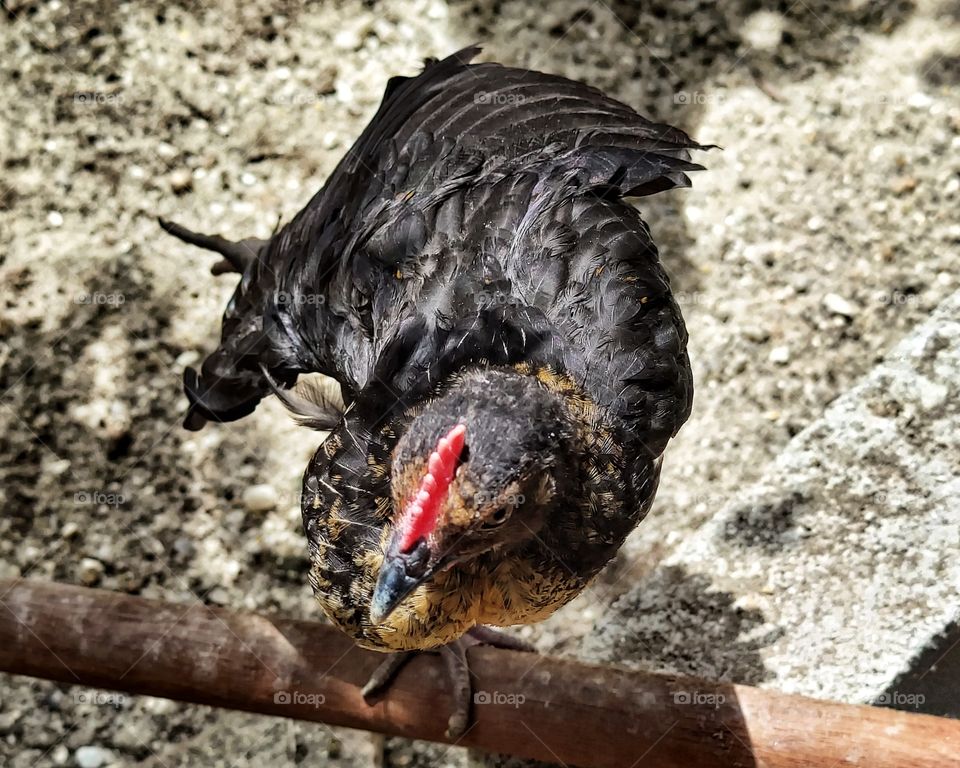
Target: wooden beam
548	709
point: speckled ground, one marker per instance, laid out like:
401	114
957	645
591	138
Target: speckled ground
823	231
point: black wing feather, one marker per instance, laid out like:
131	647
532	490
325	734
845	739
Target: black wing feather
471	181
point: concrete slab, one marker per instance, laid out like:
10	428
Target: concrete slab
833	573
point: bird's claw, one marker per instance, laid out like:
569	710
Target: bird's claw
490	636
458	668
383	675
455	657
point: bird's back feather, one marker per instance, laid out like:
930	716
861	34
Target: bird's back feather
479	217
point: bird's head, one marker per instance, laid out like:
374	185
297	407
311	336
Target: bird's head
477	469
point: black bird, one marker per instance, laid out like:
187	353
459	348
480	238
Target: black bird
505	339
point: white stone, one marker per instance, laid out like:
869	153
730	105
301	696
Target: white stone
260	498
839	305
347	39
92	757
763	30
90	571
780	355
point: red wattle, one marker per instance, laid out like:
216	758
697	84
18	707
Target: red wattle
422	511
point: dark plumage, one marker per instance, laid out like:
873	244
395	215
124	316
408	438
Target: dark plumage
470	261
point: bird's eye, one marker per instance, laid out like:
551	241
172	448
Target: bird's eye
498	518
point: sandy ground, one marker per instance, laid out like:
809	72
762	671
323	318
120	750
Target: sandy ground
821	233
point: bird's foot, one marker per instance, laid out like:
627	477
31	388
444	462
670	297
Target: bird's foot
383	675
498	639
454	656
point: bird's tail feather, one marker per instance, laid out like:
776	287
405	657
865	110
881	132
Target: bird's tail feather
237	255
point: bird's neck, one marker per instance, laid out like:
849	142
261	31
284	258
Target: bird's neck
607	493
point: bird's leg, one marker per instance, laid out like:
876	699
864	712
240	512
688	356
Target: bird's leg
455	659
498	639
383	675
455	656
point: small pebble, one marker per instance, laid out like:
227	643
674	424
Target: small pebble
839	305
184	547
218	596
58	467
92	757
91	571
334	748
325	80
181	180
9	719
157	706
69	530
55	219
347	40
901	185
780	355
184	359
260	498
763	30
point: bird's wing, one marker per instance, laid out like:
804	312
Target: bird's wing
328	292
590	265
515	182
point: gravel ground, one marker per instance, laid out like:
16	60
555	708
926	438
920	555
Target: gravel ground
824	231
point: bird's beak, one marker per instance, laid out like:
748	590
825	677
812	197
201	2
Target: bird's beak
400	574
